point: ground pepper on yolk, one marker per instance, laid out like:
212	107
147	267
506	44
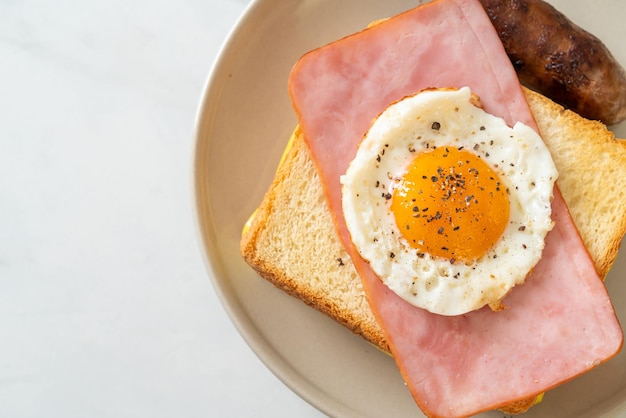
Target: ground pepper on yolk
451	204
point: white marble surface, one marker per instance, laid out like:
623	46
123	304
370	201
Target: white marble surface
106	308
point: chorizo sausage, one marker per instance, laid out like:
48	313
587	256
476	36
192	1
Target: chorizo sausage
557	58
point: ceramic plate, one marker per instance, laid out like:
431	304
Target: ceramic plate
244	123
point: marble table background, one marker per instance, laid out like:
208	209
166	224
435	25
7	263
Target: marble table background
106	308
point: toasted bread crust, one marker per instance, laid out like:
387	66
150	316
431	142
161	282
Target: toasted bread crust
592	176
520	406
291	240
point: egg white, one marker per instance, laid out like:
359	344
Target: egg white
518	155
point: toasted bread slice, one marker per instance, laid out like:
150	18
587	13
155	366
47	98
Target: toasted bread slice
592	176
292	242
318	270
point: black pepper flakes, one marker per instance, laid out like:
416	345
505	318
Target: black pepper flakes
435	126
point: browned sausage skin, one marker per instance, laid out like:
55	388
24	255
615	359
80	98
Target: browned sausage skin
557	58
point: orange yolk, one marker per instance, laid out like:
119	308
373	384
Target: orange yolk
451	204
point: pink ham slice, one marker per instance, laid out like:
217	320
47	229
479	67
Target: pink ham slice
558	325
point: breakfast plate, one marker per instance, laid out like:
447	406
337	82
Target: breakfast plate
244	122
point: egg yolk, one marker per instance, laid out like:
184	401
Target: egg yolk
451	204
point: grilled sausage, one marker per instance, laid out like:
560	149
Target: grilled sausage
557	58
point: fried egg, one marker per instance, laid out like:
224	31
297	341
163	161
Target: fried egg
448	204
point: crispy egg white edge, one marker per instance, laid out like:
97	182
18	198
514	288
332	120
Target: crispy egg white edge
517	154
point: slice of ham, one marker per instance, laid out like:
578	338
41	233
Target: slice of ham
559	324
